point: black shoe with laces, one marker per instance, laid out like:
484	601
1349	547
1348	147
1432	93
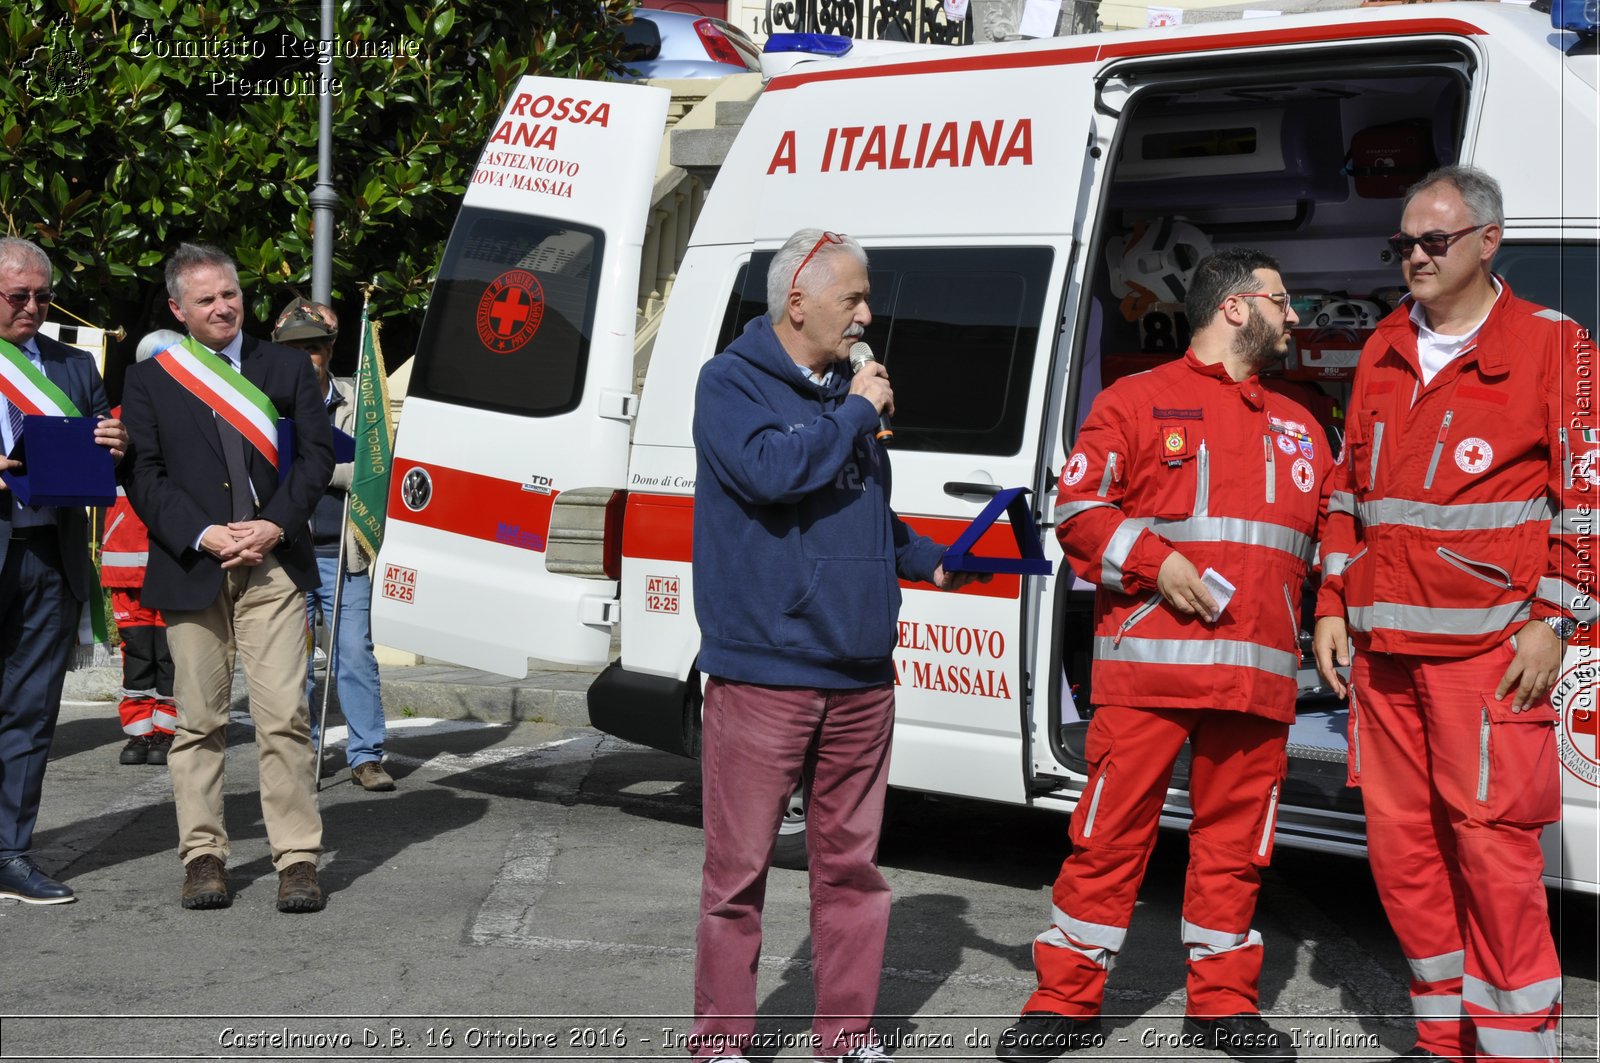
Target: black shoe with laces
1244	1036
1043	1035
160	746
137	751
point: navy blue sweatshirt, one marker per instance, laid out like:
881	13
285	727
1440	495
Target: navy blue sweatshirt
796	551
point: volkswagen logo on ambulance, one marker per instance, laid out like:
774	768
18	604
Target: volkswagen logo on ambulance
416	490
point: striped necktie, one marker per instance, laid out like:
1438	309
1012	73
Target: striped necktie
14	415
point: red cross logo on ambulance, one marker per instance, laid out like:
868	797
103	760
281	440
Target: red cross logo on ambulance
1303	475
1574	697
1473	455
1076	467
510	311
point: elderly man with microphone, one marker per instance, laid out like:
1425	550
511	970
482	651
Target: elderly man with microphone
797	558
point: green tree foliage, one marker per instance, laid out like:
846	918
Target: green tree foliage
127	126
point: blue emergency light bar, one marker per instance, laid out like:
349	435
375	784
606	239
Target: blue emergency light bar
828	44
1577	16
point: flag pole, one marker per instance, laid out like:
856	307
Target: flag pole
338	578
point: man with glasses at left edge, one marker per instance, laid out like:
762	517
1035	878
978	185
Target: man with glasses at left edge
44	560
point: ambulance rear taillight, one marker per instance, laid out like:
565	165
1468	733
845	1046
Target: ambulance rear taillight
1577	16
585	537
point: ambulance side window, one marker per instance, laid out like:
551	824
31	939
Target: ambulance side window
512	312
955	327
1564	276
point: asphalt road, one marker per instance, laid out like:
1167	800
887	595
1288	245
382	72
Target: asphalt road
529	892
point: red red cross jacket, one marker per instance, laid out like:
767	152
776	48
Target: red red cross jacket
125	546
1235	475
1461	506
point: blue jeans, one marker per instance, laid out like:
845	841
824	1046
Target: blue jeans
352	659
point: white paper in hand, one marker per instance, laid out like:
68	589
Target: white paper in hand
1221	590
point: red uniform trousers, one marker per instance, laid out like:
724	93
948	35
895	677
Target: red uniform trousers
147	705
1238	765
1456	788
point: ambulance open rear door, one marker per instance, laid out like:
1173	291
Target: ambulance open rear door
522	386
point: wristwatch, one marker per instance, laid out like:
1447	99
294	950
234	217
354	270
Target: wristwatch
1564	626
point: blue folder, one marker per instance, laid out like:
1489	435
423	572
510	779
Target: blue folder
62	465
1012	501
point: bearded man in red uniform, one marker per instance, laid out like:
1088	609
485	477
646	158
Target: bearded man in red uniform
1143	515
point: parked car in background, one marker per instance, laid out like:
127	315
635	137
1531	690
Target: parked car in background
679	44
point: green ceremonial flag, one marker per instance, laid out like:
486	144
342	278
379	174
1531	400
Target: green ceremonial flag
369	481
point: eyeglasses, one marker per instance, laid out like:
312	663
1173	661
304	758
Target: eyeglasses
18	300
825	238
1281	298
1433	244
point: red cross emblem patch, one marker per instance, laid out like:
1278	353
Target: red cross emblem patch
1303	475
510	311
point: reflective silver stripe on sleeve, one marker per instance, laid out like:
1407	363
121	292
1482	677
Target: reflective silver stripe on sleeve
1067	510
1434	621
1573	522
122	492
1552	315
1334	565
1110	937
117	558
1199	653
1438	1008
1477	516
1236	530
1110	474
1566	457
1438	968
1536	998
1563	595
1515	1044
1117	550
1342	502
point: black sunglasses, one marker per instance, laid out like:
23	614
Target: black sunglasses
1433	244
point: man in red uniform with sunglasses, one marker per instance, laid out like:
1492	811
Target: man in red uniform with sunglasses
1451	559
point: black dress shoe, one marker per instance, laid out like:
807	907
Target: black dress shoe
1043	1035
137	751
21	881
160	745
1244	1036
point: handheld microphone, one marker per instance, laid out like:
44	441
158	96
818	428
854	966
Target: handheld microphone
860	355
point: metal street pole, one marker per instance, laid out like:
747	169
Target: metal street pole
323	198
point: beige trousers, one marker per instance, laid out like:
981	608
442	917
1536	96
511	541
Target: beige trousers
260	618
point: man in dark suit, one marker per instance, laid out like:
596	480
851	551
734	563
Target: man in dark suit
44	570
230	560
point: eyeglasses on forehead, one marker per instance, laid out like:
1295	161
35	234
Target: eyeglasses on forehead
825	238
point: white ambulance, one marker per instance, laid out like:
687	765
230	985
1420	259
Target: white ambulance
1029	210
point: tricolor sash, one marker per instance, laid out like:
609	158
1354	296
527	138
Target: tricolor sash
28	389
214	381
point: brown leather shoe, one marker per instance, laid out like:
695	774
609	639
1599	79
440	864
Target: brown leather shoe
298	890
205	883
369	775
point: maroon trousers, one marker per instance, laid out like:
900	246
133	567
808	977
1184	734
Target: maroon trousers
758	743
